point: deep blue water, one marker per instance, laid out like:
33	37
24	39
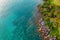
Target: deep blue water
17	21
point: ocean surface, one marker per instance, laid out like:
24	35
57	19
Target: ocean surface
17	21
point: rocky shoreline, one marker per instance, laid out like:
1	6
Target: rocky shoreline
42	28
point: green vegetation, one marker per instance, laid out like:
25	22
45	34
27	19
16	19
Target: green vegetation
50	12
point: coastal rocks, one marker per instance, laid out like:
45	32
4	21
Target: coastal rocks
42	28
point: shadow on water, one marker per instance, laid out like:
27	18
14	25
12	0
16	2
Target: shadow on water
26	28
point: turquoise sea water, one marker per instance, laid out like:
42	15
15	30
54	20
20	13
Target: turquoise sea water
17	21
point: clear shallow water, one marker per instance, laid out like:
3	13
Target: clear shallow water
17	21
